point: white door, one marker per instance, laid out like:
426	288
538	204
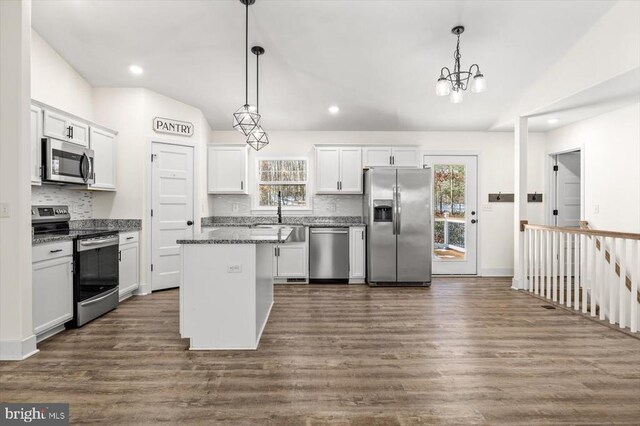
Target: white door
327	170
376	156
55	126
356	252
455	213
351	170
172	207
52	292
79	132
128	272
567	190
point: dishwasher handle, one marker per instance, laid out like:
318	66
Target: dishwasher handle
329	231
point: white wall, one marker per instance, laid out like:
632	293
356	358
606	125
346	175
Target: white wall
56	83
611	149
495	171
17	340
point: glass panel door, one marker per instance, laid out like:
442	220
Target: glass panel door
454	213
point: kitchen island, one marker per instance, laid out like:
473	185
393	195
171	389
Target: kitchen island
227	286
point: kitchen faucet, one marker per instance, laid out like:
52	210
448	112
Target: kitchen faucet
279	206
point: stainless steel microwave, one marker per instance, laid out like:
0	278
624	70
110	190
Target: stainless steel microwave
64	162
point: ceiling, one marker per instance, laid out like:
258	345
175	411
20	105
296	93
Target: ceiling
377	60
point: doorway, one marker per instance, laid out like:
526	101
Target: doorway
566	200
172	180
455	218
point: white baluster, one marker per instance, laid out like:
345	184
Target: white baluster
612	282
535	260
592	257
561	265
568	270
548	264
525	265
576	271
531	254
633	300
602	276
554	265
541	264
583	270
622	284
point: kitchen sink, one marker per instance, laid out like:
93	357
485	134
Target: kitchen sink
298	233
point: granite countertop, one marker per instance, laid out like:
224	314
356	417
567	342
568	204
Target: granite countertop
50	238
120	225
310	221
239	235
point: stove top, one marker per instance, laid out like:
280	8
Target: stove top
79	233
54	220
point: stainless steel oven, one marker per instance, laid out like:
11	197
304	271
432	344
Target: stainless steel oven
96	276
64	162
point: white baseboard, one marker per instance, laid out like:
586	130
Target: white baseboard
17	350
496	272
143	290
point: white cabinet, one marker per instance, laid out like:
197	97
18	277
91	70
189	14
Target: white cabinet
52	287
338	170
290	261
129	268
62	127
35	136
103	144
357	253
385	156
227	169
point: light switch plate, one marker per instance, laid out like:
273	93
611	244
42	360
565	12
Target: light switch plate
234	268
5	210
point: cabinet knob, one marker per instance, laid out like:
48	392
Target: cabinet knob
189	222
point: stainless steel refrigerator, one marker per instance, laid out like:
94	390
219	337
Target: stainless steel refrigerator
397	211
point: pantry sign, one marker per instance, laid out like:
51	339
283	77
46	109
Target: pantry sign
173	127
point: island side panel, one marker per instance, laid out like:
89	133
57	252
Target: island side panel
219	295
264	286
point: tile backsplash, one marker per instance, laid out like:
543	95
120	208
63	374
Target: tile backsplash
80	202
322	205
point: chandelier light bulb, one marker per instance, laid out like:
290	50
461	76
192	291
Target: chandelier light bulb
442	87
479	84
456	96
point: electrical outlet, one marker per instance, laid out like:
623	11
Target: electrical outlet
235	207
5	210
234	268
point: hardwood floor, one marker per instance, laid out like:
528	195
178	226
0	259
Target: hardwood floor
465	351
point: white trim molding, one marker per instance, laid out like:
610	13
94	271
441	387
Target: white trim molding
17	350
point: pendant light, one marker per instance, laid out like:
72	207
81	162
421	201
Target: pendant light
246	118
258	138
456	82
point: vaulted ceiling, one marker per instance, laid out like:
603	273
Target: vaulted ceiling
377	60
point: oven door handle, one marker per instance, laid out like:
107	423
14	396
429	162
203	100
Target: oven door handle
103	242
92	301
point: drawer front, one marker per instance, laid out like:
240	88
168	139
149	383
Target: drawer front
51	250
129	237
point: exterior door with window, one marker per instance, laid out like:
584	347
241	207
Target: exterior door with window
455	213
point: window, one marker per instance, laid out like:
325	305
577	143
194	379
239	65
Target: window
286	175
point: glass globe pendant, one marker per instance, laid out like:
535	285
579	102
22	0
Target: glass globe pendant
246	118
442	86
479	84
456	96
257	138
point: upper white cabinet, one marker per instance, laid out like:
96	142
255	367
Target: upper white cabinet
103	144
60	126
35	137
357	253
227	167
384	156
129	271
52	284
338	170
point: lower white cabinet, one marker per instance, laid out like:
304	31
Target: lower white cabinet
357	253
52	287
129	278
291	261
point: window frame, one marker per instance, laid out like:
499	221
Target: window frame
258	182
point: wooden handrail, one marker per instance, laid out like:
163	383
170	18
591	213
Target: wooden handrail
607	256
580	231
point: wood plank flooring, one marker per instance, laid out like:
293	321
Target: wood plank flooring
465	351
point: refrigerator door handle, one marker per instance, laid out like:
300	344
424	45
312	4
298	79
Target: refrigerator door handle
399	213
394	211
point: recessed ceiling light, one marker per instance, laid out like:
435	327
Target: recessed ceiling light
553	120
333	109
136	70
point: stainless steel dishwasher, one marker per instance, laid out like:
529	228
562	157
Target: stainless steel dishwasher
329	255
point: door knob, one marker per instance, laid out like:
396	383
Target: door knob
189	222
473	221
473	213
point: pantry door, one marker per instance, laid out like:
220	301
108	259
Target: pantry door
172	211
455	213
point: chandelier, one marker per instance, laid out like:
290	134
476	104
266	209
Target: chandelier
456	82
246	118
258	138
